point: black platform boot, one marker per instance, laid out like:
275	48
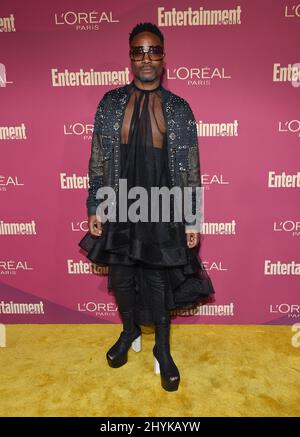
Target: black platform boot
130	336
164	363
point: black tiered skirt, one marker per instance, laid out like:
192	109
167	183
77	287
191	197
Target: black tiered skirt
161	244
189	282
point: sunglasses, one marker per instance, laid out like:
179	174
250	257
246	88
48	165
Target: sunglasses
155	53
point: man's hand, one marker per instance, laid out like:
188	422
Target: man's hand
192	238
95	226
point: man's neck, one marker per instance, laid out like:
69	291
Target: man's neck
147	85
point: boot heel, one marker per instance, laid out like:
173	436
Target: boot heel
169	378
156	367
117	356
136	344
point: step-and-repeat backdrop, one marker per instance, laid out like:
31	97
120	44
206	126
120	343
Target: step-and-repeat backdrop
237	63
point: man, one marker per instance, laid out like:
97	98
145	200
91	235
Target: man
137	126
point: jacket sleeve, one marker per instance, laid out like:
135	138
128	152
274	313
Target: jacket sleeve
95	166
194	174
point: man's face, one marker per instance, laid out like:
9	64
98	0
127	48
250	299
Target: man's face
147	70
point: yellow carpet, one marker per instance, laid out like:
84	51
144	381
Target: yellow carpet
61	370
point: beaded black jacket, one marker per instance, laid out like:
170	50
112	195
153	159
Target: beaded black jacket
182	142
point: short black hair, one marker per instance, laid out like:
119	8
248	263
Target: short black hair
145	27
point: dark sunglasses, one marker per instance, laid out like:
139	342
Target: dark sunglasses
155	53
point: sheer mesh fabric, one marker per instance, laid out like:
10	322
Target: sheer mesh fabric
154	129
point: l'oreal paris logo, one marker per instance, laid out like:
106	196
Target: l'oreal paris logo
183	73
292	11
292	310
84	20
291	126
291	226
3	80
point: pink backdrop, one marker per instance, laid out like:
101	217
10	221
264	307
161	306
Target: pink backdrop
233	77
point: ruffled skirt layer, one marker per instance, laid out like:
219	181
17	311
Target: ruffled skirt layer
188	282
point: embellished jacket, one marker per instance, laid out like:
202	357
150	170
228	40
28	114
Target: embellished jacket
182	143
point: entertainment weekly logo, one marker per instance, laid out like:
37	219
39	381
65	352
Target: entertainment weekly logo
13	132
291	227
9	182
85	268
198	17
13	267
84	20
279	268
21	308
7	24
283	180
210	310
18	228
73	181
89	77
225	129
289	73
291	310
98	309
197	76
